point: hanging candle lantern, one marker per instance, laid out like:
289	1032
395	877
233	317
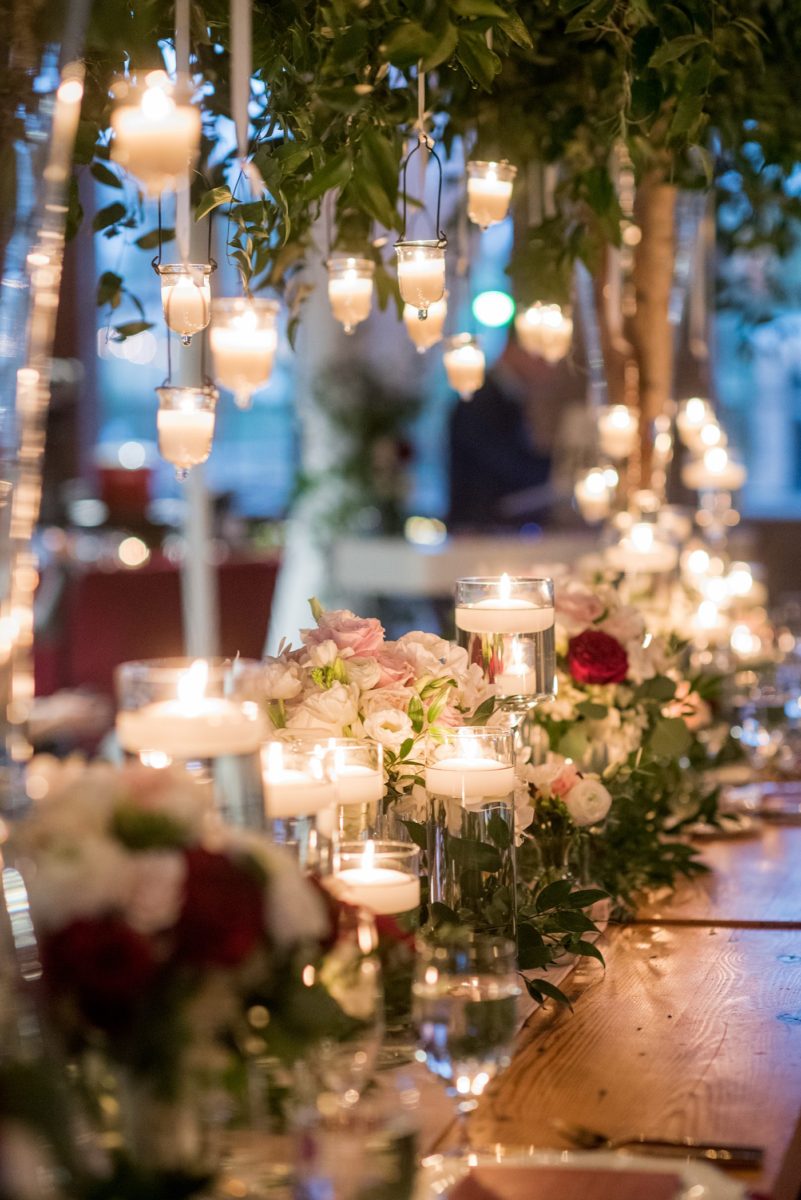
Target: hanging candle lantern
617	430
185	297
489	191
692	416
545	330
156	132
243	341
421	264
593	492
464	364
185	425
426	334
350	289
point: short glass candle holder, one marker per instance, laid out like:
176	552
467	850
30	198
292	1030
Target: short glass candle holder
425	334
156	132
618	430
202	715
186	297
470	782
185	423
545	330
350	289
243	340
298	789
421	274
465	364
594	493
383	878
489	191
506	625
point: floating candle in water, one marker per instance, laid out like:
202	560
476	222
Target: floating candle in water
504	613
384	890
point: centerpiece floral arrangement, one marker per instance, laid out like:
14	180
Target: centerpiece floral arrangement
174	952
619	744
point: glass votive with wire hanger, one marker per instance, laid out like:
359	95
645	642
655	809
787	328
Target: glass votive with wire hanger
425	334
185	297
156	131
185	423
421	273
350	289
243	340
465	364
489	191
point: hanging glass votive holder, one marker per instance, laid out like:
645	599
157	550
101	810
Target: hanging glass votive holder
545	330
693	415
465	364
156	132
489	191
185	297
350	289
185	425
243	340
421	263
618	430
426	334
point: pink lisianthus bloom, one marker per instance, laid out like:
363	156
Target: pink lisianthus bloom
395	667
362	636
577	606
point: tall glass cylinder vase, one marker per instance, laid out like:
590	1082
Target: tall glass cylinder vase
204	716
470	782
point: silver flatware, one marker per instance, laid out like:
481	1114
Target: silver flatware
731	1156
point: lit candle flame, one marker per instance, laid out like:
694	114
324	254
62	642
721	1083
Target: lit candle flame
275	761
368	858
642	537
192	684
156	104
505	587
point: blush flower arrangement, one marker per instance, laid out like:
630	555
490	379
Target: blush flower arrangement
626	717
170	946
348	680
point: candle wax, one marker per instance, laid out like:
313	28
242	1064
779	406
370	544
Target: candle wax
421	280
358	784
426	333
243	358
464	367
208	728
382	890
496	615
185	436
488	199
289	793
351	298
470	778
157	150
186	305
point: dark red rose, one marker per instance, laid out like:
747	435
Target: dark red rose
597	657
104	963
222	917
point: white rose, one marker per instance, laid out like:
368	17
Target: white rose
364	672
157	890
390	727
332	710
588	802
282	679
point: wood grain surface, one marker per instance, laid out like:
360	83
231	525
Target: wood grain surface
691	1031
754	882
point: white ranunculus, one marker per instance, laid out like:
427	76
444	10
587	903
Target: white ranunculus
157	890
390	727
588	802
79	880
282	679
364	672
332	710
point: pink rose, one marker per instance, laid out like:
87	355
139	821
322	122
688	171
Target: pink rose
576	606
361	636
395	667
567	778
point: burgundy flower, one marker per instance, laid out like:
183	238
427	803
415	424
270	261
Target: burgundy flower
222	919
389	930
104	963
597	657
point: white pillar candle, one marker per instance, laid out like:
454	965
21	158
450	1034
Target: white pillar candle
465	368
715	471
384	891
157	140
351	298
426	333
470	778
185	436
421	279
488	199
243	355
193	725
617	431
186	305
357	784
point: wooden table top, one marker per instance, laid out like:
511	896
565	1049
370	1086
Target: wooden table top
754	882
693	1029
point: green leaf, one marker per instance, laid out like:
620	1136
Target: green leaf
381	157
483	712
553	895
416	714
131	328
109	289
407	44
591	710
417	832
371	197
589	950
478	8
212	199
335	174
150	240
105	175
540	988
443	48
516	31
670	738
480	63
659	688
110	215
499	831
406	748
677	48
585	897
573	922
466	852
